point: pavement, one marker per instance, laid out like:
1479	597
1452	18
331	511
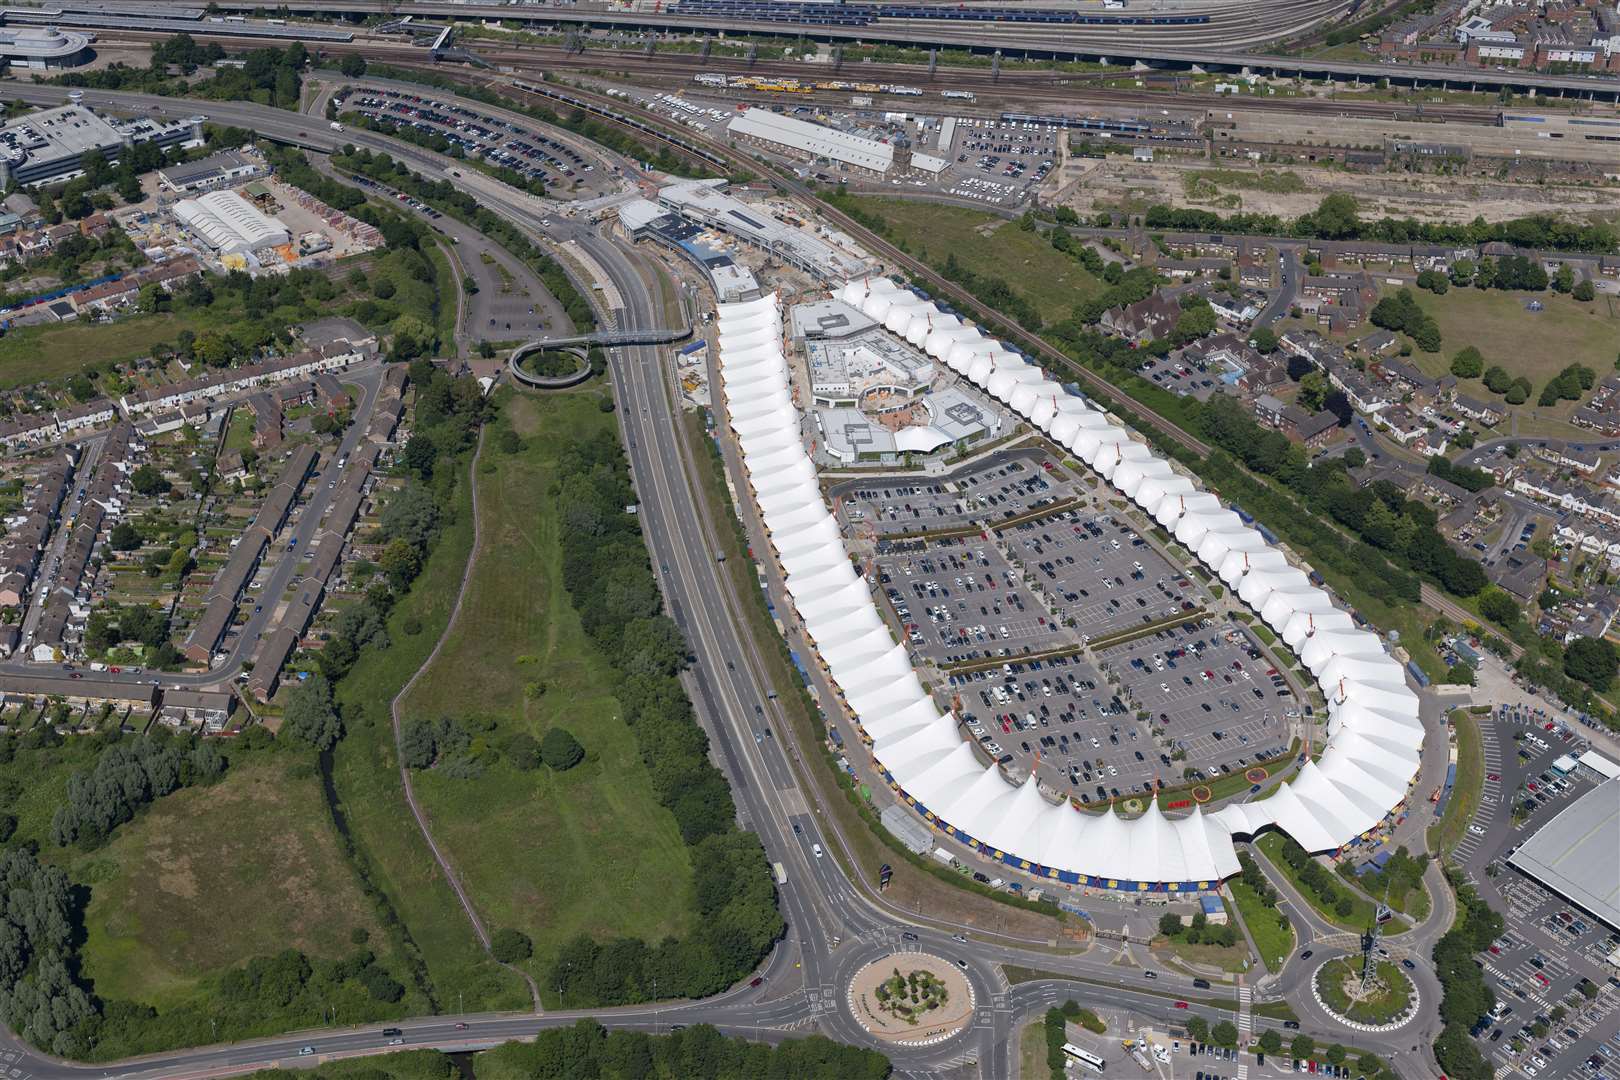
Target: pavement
836	923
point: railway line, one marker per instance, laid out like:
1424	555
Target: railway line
1028	90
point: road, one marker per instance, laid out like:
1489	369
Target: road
835	924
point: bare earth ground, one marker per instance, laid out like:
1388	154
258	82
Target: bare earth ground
1427	198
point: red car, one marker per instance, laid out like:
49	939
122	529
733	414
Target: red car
1181	1004
1493	776
756	981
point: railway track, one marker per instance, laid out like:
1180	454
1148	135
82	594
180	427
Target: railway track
1051	90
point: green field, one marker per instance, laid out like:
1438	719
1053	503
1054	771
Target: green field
993	247
1273	935
1460	808
553	854
209	877
366	773
400	1065
1536	345
56	350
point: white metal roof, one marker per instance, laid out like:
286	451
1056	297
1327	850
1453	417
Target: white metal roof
1375	734
815	139
229	223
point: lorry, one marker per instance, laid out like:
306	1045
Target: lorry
781	873
335	126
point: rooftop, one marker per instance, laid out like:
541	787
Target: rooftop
1573	854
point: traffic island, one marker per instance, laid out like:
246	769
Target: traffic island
1387	1001
911	999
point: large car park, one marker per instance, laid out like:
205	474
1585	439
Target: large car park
1007	616
1011	486
1556	990
491	139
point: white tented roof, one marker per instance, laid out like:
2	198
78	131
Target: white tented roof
1375	735
814	139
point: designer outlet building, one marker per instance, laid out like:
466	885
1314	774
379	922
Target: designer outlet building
1375	734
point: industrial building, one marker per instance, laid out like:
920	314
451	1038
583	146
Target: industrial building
219	170
41	48
813	140
1573	854
49	145
229	224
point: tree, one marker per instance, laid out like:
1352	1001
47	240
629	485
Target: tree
311	716
416	744
1591	661
353	66
524	751
1468	363
1584	291
1336	217
1225	1034
1355	458
149	481
400	562
1302	1046
124	537
1270	1041
1336	1054
1197	1029
1496	605
509	946
1564	280
1264	340
560	750
1169	924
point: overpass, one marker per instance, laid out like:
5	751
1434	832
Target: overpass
609	338
1007	40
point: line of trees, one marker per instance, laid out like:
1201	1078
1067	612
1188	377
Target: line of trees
606	572
699	1052
1465	995
1337	218
1311	875
1401	312
127	776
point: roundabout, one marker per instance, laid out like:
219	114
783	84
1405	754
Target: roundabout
911	999
551	368
1388	1001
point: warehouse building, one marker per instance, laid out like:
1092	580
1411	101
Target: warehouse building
49	145
229	224
813	140
1573	854
703	203
42	48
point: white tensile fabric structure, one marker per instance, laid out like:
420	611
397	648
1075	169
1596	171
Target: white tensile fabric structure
1375	735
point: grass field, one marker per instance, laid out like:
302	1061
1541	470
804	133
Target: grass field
1229	958
1380	1008
210	877
1464	802
993	247
553	854
1536	345
367	778
1032	1050
1273	935
56	350
400	1065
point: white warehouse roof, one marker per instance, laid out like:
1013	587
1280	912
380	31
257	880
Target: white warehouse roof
1375	735
229	223
815	139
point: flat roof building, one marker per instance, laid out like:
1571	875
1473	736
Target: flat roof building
1573	854
703	202
211	172
813	140
50	145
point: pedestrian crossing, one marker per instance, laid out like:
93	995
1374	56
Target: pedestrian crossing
1245	1026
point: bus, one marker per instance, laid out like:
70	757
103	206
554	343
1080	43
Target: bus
1084	1057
